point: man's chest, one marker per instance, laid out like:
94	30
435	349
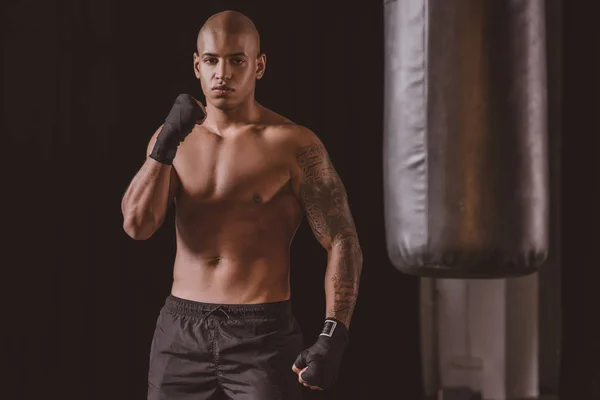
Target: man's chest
242	170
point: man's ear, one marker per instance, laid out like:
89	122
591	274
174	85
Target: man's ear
197	61
261	65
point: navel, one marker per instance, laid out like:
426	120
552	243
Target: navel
214	260
257	198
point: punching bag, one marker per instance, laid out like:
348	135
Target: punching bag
465	141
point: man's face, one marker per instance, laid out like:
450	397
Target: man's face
227	67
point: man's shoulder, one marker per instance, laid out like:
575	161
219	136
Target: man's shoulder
290	131
285	131
291	138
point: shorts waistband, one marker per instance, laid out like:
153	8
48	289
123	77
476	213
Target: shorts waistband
195	308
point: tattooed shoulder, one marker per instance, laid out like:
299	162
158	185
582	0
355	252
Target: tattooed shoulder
314	163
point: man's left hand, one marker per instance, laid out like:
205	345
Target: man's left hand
318	366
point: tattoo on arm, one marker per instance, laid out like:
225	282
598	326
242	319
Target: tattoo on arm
325	202
346	278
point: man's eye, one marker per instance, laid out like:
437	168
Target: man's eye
210	60
237	61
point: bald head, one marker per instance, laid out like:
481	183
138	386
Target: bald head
230	23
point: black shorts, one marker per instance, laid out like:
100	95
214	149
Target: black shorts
210	351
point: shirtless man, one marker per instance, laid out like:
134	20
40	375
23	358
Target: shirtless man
241	178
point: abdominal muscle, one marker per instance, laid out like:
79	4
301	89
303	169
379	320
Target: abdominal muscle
234	255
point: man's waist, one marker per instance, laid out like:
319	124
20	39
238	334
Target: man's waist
276	309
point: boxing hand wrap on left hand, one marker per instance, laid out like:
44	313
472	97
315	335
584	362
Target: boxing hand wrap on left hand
323	359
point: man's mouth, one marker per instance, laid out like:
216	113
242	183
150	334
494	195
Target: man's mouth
222	90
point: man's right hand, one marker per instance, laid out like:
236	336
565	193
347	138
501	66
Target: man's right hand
185	113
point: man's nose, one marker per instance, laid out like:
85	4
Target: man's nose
223	71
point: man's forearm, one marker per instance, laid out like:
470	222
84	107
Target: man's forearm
146	200
342	278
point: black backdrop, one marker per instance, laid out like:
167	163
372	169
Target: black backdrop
84	85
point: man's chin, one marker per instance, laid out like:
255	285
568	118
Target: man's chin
223	103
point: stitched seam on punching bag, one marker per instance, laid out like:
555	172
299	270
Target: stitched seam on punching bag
424	38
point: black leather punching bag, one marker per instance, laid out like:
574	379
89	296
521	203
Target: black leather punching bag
465	141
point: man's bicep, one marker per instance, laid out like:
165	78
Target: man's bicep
323	195
174	185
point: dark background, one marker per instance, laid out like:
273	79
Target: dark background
85	84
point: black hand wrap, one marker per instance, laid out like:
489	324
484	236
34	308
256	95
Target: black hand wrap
324	358
179	123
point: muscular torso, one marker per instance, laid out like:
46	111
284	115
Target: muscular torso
236	214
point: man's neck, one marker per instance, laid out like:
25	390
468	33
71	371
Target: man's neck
223	120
